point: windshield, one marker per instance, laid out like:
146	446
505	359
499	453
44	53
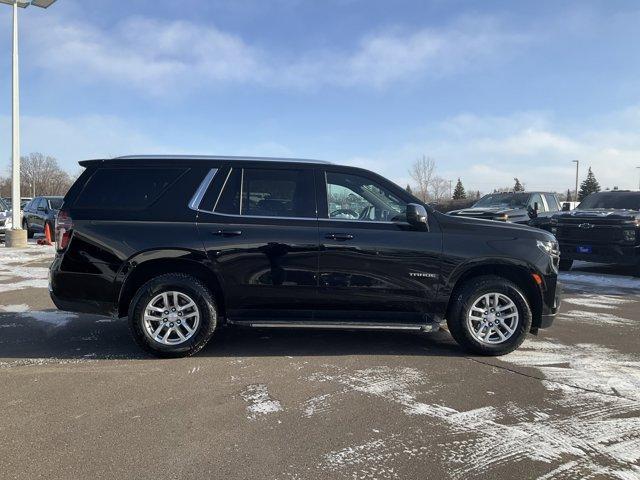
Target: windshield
3	205
617	200
55	203
511	200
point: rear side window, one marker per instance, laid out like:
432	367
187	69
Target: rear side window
126	188
268	193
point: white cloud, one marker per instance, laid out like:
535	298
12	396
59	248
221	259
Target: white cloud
489	151
158	56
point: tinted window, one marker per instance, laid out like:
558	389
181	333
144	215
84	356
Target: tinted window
229	201
552	201
268	193
351	197
55	203
619	200
536	198
510	200
126	188
40	203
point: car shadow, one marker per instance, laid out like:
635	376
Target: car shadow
53	336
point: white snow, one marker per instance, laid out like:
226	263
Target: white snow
259	401
606	302
55	318
610	283
597	318
14	308
19	264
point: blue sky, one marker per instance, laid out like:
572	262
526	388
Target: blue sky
490	90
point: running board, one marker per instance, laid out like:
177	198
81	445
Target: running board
429	327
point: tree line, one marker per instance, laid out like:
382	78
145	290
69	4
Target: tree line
39	175
429	187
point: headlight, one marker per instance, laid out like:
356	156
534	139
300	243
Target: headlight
549	247
629	235
502	218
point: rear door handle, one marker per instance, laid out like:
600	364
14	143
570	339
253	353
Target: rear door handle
339	236
228	233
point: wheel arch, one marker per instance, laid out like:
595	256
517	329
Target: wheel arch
520	274
142	270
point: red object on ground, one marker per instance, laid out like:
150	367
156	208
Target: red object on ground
47	236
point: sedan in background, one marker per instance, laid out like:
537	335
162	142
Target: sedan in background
40	213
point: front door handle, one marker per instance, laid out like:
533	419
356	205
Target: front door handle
339	236
228	233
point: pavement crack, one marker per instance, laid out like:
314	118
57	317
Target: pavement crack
616	394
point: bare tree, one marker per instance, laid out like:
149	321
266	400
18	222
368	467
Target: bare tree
440	189
41	175
422	172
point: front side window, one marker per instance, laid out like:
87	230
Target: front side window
261	192
351	197
552	201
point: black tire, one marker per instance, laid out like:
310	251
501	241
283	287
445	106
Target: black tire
188	285
25	226
463	301
565	264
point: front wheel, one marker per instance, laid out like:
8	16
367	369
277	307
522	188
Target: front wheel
489	316
173	315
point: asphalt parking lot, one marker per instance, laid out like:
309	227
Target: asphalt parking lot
79	400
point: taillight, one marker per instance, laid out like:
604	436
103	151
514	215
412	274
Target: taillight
64	227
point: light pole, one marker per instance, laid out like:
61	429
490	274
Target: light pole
16	237
577	162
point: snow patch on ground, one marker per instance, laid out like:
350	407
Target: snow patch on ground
259	402
596	318
55	318
14	308
599	386
608	283
19	264
606	302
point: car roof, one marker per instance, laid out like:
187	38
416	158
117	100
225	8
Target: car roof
173	158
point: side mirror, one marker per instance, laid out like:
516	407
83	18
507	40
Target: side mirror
41	209
417	216
533	212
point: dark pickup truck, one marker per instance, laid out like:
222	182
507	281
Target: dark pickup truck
605	228
528	208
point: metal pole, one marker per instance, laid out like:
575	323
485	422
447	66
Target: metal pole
577	162
15	186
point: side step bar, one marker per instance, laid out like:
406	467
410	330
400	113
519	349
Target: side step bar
428	327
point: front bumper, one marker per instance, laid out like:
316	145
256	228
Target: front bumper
602	253
551	300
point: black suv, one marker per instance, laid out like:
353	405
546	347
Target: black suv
184	245
604	228
40	213
529	208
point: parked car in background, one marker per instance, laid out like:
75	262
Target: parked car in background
605	228
568	206
183	245
5	218
528	208
40	213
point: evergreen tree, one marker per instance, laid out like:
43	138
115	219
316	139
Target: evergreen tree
588	186
458	192
569	196
518	187
408	189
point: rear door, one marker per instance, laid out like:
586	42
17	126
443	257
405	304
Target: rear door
259	226
373	265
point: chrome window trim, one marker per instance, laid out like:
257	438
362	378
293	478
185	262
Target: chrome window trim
194	204
224	185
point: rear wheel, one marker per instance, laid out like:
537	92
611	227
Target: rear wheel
565	264
490	316
173	315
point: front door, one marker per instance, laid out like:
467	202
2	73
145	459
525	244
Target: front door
373	265
261	236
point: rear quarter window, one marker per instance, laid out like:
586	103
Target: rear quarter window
126	188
